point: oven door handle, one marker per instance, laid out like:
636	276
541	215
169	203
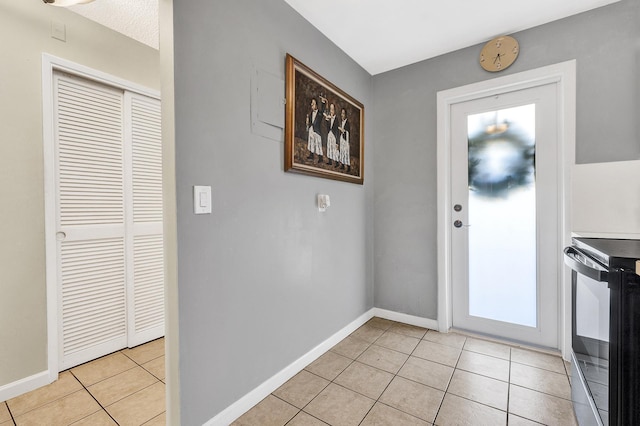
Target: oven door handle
572	258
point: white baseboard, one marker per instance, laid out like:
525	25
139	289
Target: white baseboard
17	388
406	318
238	408
244	404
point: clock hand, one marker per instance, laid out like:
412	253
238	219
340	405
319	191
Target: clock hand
497	59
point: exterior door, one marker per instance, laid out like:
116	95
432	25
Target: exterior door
505	219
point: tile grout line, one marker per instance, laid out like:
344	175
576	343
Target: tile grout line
42	404
94	398
142	365
13	419
85	387
511	362
377	400
101	380
449	384
323	389
137	364
370	344
395	375
150	372
300	410
509	380
509	383
155	417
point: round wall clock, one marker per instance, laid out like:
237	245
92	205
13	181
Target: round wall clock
499	53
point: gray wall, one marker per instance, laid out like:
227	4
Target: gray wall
266	277
266	273
606	44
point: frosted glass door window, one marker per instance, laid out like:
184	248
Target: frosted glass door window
502	215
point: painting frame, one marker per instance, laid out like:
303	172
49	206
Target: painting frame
327	140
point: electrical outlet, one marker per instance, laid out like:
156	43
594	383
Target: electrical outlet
323	202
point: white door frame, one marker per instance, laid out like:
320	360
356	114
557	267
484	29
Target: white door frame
49	64
564	76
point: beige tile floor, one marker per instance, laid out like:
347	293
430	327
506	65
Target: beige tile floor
124	388
387	373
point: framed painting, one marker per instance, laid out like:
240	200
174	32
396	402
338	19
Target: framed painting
324	127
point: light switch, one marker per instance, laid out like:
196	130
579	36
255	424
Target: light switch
201	199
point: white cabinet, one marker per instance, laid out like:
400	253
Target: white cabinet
606	199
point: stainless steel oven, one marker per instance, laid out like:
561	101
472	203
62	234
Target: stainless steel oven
605	360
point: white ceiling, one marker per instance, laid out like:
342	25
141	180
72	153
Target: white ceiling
380	35
137	19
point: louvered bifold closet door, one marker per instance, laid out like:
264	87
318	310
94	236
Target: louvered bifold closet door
144	219
90	219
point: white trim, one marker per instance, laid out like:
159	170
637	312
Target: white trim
50	218
406	318
567	155
17	388
479	336
245	403
564	75
49	65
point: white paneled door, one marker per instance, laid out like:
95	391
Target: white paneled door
144	219
504	192
108	218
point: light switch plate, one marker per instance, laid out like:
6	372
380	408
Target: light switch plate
59	30
201	199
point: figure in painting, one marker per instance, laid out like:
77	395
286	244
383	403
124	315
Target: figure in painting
344	128
313	123
333	152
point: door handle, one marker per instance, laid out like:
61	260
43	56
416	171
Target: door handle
457	224
60	236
